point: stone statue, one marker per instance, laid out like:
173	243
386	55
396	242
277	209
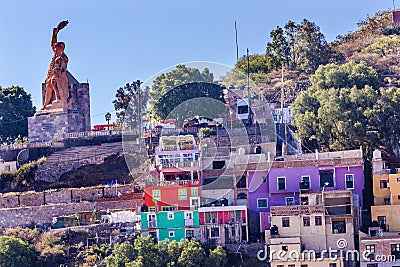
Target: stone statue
56	95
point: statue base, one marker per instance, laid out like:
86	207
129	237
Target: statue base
47	124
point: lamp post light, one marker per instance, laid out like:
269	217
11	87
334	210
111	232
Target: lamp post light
108	118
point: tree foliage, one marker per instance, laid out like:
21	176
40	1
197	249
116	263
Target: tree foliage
15	253
180	85
178	76
344	109
131	102
297	47
15	108
145	253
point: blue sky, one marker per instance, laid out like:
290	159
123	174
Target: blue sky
110	43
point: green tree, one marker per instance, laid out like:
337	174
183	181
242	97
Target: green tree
187	101
298	47
15	108
149	252
347	75
15	253
217	257
178	76
336	111
192	255
121	255
131	102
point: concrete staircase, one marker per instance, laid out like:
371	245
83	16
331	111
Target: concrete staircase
73	158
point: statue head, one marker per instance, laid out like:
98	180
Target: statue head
59	47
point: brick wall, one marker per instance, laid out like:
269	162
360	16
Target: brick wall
58	196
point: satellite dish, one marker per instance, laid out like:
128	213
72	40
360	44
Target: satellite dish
22	157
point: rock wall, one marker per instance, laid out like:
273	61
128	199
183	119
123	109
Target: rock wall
22	216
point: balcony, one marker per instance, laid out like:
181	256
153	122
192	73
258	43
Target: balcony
296	210
152	224
189	222
188	164
179	182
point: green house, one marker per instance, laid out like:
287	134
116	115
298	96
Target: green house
172	225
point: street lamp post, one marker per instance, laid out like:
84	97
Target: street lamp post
108	118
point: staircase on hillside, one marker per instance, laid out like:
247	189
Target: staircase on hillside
73	158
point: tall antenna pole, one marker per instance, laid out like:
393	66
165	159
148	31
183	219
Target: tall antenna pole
248	86
237	46
394	6
282	97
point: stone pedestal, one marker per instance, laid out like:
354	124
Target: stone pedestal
44	127
48	123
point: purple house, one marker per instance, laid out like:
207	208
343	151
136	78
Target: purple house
281	182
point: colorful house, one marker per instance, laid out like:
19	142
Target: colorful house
171	225
223	225
279	183
386	189
327	220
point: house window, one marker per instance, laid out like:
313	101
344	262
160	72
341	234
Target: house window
242	183
339	226
195	192
305	182
304	200
284	248
182	194
211	217
304	265
387	201
214	232
289	201
156	194
306	221
170	215
383	184
189	233
349	181
398	197
152	209
262	202
285	222
372	265
398	180
332	264
326	179
370	248
318	220
281	183
167	208
218	164
395	250
291	265
171	234
233	231
243	109
381	220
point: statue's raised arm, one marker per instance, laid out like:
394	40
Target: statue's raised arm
59	27
56	94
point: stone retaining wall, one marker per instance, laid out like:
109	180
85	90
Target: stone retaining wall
13	217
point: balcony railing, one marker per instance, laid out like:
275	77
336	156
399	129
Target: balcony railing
179	182
187	164
152	224
296	210
189	222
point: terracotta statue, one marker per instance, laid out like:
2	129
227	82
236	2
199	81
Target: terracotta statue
56	80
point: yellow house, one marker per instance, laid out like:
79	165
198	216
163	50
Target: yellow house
386	189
